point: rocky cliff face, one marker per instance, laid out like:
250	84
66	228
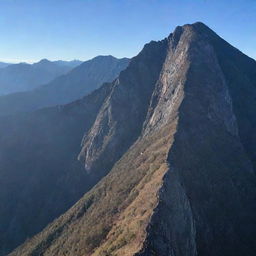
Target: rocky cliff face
178	138
120	120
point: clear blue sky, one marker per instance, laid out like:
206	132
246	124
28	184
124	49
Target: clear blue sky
81	29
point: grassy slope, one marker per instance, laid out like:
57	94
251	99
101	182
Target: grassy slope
112	218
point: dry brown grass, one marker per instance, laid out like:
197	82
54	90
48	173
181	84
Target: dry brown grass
112	218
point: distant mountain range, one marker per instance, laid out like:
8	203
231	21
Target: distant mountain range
160	161
78	82
72	63
24	76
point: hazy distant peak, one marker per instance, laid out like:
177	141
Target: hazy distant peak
72	63
24	77
42	61
108	57
74	83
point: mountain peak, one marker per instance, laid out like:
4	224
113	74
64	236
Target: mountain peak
43	61
197	28
196	25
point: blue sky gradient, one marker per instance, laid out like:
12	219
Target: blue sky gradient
81	29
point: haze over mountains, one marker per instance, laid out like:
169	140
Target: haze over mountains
24	76
71	86
161	161
3	64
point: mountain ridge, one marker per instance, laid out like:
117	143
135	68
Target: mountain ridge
24	76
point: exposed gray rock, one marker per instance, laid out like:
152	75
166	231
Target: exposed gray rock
120	120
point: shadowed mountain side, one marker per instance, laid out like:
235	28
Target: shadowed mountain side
72	86
40	174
